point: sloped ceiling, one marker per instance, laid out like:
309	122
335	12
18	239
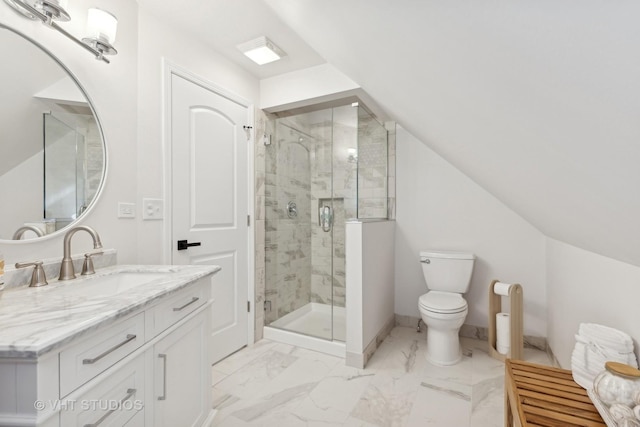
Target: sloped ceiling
537	101
21	112
224	24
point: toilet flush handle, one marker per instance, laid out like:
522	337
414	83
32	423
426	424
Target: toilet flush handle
425	260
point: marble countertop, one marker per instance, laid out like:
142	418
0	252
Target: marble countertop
34	321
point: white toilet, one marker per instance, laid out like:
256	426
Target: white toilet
443	309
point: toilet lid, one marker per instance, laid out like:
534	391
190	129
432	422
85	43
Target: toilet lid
443	302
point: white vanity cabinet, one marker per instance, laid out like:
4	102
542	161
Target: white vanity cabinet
178	361
151	367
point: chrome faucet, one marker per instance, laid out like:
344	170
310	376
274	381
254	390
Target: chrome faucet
20	231
66	268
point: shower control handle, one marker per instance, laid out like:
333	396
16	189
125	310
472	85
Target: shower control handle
325	218
292	210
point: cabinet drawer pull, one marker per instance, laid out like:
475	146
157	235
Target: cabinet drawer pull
130	392
164	377
194	299
130	337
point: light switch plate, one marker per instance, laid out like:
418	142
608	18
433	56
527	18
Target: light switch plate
126	210
152	209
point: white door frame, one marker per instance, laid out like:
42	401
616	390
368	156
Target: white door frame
168	69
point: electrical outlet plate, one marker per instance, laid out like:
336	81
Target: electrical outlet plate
152	209
126	210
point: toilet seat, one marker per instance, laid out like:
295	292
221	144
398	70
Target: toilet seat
442	302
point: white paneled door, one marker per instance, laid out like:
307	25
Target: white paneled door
209	201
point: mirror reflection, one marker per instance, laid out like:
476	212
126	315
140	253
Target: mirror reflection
52	151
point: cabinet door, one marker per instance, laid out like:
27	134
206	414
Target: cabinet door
182	385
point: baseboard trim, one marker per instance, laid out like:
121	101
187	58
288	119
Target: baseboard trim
477	332
359	361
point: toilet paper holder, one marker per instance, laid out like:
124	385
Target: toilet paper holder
514	293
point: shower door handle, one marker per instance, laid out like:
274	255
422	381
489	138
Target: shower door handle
325	218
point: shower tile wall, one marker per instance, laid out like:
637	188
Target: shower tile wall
334	138
321	192
391	171
282	262
94	159
372	168
287	240
262	126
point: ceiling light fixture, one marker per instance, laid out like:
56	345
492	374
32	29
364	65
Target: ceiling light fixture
261	50
101	25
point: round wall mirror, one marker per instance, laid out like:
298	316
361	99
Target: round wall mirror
53	157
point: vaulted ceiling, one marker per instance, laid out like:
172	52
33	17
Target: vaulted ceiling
536	101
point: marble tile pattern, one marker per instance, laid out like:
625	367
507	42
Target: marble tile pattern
35	321
391	170
334	181
273	384
287	239
308	163
263	126
94	159
477	332
372	168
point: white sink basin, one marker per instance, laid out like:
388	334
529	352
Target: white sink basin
112	284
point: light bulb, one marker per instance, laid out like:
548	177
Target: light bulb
102	25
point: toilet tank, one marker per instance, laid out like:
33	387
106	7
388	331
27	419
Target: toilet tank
447	271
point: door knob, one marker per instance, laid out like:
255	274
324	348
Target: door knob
183	244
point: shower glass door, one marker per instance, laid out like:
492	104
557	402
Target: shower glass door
311	189
64	171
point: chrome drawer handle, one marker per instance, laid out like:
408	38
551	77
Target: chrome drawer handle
130	392
194	299
130	337
164	377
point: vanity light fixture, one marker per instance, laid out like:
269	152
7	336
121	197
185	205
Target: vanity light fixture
261	50
101	25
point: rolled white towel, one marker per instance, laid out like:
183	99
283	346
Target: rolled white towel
595	356
618	339
605	335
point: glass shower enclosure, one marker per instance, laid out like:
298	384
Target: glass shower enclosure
73	164
323	168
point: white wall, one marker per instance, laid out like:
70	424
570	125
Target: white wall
157	41
586	287
546	92
319	82
370	283
112	89
127	95
438	207
24	205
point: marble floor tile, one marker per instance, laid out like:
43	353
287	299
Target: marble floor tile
487	403
406	355
254	378
440	407
278	385
336	395
388	399
460	373
217	376
239	359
